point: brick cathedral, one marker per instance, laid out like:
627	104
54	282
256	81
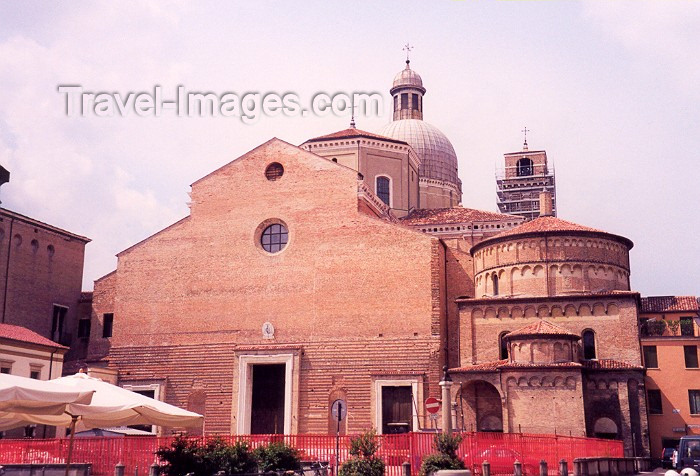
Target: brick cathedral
346	267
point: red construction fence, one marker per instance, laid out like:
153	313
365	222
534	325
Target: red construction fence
500	449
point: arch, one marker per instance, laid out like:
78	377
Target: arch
585	310
598	309
537	270
336	394
613	309
516	312
524	167
17	239
477	313
589	348
197	402
556	311
502	345
490	313
570	310
543	311
503	312
604	427
483	407
494	282
530	311
382	188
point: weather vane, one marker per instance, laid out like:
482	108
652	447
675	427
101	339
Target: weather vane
407	48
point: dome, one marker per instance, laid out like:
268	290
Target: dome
408	78
438	157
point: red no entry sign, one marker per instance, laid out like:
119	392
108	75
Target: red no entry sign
432	405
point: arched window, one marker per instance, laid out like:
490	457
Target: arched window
502	345
384	189
588	338
525	167
494	279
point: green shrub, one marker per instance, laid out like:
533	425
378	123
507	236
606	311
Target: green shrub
357	466
363	460
189	456
181	457
446	457
277	456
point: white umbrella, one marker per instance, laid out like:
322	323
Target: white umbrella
26	395
110	406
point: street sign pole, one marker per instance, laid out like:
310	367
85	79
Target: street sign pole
339	410
337	436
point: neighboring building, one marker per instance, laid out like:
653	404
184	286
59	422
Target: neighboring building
314	280
41	273
25	353
526	174
670	336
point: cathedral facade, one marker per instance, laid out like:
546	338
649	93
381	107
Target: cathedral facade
271	300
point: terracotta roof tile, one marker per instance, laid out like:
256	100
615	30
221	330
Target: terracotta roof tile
546	223
22	334
453	215
669	303
505	364
541	327
549	224
609	364
351	133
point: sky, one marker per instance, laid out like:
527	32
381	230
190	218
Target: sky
610	89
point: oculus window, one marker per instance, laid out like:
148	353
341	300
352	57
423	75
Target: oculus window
274	238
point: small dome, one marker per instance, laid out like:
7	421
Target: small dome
408	78
438	157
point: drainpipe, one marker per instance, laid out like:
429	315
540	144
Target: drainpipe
7	270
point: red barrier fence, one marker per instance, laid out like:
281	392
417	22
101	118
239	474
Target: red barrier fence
500	449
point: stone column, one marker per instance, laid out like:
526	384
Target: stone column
446	385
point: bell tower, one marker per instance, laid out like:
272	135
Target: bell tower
526	175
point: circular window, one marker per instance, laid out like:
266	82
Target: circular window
274	171
274	238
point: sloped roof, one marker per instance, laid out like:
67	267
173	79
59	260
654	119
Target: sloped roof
453	215
540	328
549	225
669	303
352	133
506	364
41	224
22	334
609	364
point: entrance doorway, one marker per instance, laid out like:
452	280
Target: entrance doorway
267	405
397	410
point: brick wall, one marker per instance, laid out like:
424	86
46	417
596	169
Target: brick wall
40	266
359	295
